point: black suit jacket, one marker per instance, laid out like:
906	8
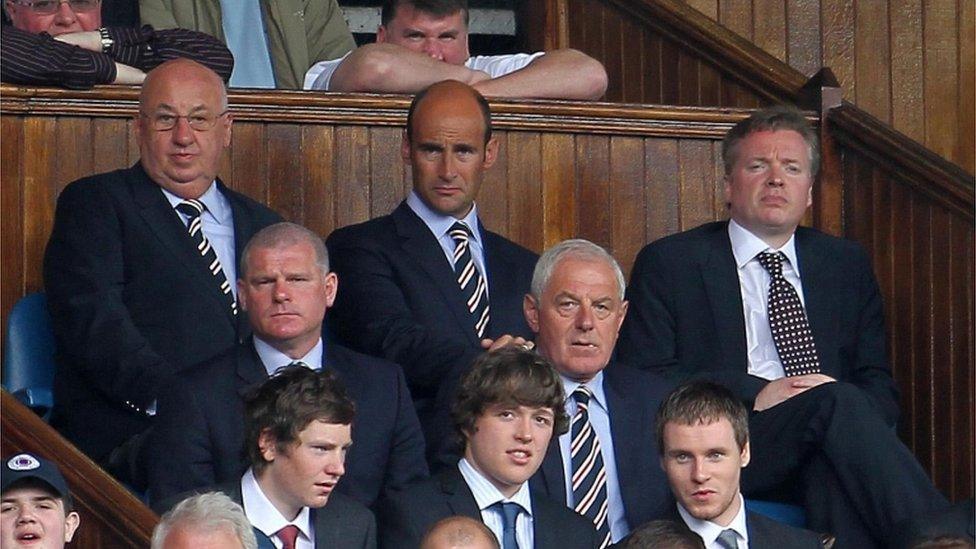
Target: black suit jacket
198	439
633	397
342	523
686	316
406	515
131	302
398	297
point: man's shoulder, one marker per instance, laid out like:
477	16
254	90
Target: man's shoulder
680	242
364	367
346	509
101	185
374	231
497	243
554	515
766	532
210	375
810	238
241	200
630	379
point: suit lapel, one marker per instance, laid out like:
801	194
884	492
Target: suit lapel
626	427
501	282
165	223
549	479
328	526
721	281
418	243
818	297
457	494
250	370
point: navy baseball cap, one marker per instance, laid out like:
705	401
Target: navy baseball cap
22	466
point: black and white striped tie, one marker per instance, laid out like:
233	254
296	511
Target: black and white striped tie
474	288
589	475
788	321
193	209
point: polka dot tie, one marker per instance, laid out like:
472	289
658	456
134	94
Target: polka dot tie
788	321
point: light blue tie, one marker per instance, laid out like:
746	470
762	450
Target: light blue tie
510	512
728	539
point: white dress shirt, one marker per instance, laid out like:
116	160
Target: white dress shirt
263	515
708	531
440	225
754	284
486	495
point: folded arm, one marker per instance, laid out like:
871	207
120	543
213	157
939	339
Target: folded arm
559	74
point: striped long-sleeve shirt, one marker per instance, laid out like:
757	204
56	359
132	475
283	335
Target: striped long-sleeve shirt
40	60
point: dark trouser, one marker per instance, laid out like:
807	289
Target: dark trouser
829	449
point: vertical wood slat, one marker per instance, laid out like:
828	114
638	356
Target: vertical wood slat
12	226
941	64
907	68
871	59
966	146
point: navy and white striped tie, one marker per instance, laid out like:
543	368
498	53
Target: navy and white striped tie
193	209
589	475
474	288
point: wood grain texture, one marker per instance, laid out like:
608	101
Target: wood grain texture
619	175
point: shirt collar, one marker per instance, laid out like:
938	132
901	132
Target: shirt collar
746	246
273	358
484	492
709	531
595	385
440	224
213	199
263	515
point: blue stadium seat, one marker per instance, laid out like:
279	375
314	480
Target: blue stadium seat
781	512
28	354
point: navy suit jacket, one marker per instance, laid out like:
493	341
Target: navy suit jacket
198	439
633	397
406	515
686	316
132	303
398	297
766	533
342	523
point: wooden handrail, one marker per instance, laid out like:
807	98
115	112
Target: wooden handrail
753	67
391	110
110	514
912	163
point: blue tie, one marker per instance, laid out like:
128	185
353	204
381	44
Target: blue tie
510	512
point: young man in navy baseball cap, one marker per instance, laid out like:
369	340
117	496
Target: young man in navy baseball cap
35	504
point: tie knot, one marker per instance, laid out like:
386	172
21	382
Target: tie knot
582	395
772	262
288	535
459	232
298	363
728	539
509	511
191	208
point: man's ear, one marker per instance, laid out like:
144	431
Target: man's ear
491	153
381	34
241	294
531	311
405	147
71	523
745	454
268	445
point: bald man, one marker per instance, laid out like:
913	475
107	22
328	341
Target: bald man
137	266
428	286
459	532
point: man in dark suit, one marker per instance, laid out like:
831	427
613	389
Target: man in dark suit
402	296
576	308
791	321
285	287
298	429
508	406
703	437
133	300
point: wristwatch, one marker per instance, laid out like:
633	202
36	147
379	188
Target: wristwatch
107	41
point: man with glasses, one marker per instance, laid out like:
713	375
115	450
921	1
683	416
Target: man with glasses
63	43
138	264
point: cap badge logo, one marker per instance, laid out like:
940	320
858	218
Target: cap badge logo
23	462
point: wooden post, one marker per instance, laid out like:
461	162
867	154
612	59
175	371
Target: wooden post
822	93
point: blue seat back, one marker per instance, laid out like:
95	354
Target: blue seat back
780	512
28	353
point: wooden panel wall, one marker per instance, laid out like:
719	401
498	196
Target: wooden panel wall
910	63
621	176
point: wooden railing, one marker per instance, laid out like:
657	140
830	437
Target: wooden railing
110	515
621	175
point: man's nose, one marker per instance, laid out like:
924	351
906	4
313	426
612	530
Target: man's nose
434	50
523	430
584	317
65	15
448	167
182	132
